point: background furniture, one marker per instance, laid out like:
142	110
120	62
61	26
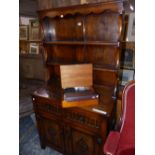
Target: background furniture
123	141
31	65
89	33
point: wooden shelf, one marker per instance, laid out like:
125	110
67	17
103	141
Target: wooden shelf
100	66
73	9
95	66
82	43
61	62
105	69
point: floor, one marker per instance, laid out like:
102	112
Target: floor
29	143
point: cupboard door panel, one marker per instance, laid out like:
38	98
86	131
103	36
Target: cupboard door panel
82	143
53	133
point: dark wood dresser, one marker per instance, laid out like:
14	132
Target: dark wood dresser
88	33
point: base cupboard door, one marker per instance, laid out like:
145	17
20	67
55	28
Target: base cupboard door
83	144
53	133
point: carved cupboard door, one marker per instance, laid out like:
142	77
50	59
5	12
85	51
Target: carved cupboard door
83	144
53	133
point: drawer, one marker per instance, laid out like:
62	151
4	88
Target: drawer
80	118
46	105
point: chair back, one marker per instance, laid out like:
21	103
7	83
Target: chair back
122	142
127	131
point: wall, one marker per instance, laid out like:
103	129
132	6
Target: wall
28	8
31	67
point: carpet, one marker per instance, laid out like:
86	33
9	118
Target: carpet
29	143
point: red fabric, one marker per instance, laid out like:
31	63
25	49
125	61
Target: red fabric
127	135
112	142
126	151
125	144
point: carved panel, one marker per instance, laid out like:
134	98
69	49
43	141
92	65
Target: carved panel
82	144
46	107
82	119
53	133
68	139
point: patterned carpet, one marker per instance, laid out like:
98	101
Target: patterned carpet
29	139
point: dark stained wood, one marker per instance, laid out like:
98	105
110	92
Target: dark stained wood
81	43
116	6
103	56
102	28
105	76
80	34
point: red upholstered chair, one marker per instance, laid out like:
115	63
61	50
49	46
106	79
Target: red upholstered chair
122	142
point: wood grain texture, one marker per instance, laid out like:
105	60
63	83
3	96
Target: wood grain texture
80	103
79	75
87	34
116	6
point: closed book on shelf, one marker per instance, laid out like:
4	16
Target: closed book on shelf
76	95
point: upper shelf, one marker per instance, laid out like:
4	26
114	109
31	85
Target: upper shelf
82	29
82	43
113	5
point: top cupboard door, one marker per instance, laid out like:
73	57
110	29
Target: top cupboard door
63	28
103	27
